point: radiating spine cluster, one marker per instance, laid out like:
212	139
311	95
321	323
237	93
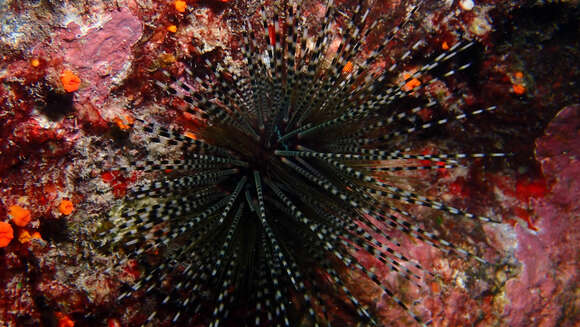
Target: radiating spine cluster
294	174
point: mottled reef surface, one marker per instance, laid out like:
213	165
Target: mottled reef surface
75	76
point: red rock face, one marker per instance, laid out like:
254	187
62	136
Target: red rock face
46	158
101	57
544	290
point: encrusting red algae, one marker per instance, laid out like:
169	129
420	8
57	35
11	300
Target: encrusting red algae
396	172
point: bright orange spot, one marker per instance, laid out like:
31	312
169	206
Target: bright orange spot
444	45
190	135
70	81
519	75
24	237
65	321
411	84
6	234
66	207
20	216
121	124
172	28
124	123
347	67
34	62
519	89
180	5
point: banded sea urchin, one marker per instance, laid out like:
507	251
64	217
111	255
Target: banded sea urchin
295	174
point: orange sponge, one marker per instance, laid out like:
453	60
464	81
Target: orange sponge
66	207
6	234
70	81
180	5
20	216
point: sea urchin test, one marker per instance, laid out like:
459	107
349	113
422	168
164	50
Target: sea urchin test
302	165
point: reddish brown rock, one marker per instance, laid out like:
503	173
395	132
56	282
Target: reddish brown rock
544	294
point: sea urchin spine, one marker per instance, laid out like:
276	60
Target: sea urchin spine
261	218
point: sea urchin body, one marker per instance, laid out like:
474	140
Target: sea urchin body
263	216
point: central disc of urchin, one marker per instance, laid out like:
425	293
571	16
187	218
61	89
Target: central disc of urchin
261	158
256	149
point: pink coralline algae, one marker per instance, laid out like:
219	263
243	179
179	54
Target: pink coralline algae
545	292
101	57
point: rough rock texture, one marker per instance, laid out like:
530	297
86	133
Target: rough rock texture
546	291
101	56
56	145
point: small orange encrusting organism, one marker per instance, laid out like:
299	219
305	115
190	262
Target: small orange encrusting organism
124	123
519	89
347	67
70	81
35	62
20	216
6	234
190	135
172	28
445	46
64	320
24	237
518	86
180	5
411	84
66	207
